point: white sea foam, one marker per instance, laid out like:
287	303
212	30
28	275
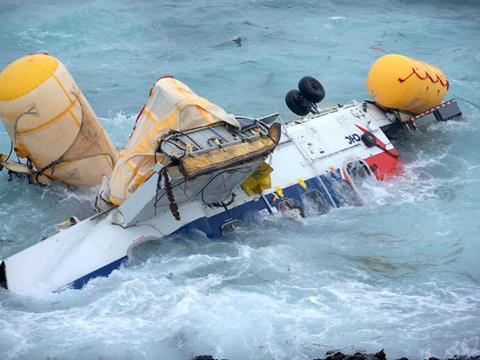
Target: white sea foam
337	18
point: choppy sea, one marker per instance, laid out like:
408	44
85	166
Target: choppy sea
400	273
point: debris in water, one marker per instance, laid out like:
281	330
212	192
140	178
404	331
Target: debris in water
237	40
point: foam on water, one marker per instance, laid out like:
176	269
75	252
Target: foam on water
400	273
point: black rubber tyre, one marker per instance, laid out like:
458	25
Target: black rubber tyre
369	139
297	103
311	89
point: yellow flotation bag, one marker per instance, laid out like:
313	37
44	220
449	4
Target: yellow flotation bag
51	123
402	83
258	181
171	105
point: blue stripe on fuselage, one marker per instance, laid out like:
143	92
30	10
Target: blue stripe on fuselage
103	271
212	226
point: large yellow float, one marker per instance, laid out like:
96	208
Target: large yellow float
51	123
170	105
402	83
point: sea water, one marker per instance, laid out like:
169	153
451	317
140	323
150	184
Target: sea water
400	273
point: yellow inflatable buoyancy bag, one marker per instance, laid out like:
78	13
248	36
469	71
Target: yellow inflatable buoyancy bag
51	123
402	83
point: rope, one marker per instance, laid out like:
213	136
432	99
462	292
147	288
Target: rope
11	150
163	173
427	76
61	159
159	179
30	111
168	189
470	102
223	203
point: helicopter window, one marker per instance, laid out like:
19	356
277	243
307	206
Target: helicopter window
358	170
290	207
315	202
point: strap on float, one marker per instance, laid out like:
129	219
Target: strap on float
61	159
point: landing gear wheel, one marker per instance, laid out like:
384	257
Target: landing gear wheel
368	139
311	89
297	103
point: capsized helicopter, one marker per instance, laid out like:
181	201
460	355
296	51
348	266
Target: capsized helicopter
188	164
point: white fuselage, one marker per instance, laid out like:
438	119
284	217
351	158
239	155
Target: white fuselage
313	156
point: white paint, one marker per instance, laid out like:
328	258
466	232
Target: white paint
314	145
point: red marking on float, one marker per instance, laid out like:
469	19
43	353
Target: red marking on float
427	76
141	112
